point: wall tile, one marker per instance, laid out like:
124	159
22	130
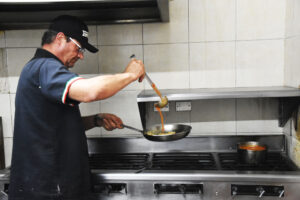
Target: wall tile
175	31
125	106
292	27
260	63
8	144
13	84
4	87
290	18
2	39
213	117
258	116
114	59
87	109
212	65
258	19
24	38
120	34
93	35
5	113
12	98
17	58
291	62
3	72
33	38
167	65
211	20
89	65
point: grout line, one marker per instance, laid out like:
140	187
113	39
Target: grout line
189	47
189	58
235	67
143	52
98	45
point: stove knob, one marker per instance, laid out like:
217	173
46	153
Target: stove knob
281	193
261	191
234	191
200	192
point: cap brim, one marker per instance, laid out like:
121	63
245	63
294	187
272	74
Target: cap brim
90	47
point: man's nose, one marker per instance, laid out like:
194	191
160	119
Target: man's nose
80	55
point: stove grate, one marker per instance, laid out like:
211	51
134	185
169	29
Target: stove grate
118	161
183	161
274	162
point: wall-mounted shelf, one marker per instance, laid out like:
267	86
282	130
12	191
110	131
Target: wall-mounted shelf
219	93
288	97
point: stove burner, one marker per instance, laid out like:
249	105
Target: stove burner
118	161
187	161
274	162
183	161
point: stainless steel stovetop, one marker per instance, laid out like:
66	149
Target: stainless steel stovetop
193	168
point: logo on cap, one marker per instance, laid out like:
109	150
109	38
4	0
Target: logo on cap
85	33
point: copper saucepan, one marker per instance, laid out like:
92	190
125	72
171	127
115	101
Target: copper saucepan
251	152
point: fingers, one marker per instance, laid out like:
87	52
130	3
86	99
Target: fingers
111	122
142	78
136	67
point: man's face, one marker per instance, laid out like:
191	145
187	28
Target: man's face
72	53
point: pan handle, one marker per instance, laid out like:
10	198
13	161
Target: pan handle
132	128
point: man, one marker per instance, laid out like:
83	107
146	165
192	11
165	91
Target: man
50	157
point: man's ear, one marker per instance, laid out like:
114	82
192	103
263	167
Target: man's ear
60	37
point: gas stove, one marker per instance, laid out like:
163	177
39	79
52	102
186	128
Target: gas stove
192	168
205	168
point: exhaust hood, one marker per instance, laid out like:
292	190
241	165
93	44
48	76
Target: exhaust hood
38	14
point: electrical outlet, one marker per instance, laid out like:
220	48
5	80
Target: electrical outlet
183	106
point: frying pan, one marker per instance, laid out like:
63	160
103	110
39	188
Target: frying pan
180	130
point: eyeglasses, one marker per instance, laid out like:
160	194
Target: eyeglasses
80	49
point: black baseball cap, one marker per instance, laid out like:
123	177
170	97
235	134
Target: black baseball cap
73	27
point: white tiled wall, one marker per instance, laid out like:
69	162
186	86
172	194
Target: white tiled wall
212	20
259	63
176	31
2	39
292	27
3	72
206	44
260	19
210	60
124	105
167	65
120	35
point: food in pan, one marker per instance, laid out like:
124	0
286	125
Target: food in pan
252	147
159	132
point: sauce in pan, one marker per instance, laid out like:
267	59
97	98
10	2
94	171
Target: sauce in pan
158	132
253	147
